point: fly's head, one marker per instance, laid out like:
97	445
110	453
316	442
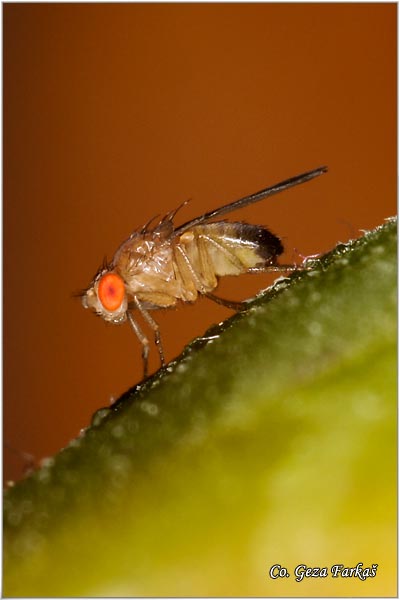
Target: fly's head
106	296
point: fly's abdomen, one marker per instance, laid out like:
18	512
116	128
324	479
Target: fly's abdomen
225	248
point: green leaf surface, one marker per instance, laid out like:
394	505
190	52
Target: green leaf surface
271	440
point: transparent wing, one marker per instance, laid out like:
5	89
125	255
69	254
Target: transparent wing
269	191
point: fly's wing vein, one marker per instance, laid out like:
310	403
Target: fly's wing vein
242	202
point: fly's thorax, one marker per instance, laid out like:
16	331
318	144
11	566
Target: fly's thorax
140	248
107	297
133	254
145	262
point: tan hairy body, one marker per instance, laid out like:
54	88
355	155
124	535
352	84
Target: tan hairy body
159	267
160	270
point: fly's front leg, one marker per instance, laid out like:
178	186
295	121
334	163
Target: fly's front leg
144	341
149	319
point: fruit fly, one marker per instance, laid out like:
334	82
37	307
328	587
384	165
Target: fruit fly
159	266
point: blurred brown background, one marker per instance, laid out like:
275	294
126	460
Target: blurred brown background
114	113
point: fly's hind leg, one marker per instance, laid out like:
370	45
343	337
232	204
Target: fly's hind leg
238	306
157	338
275	269
234	305
207	268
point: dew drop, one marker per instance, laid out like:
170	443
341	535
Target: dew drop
99	416
46	462
315	297
149	408
117	431
315	328
343	261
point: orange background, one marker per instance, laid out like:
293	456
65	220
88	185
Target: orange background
114	113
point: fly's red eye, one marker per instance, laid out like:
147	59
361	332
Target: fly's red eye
111	291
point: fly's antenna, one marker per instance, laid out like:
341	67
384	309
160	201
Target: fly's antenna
242	202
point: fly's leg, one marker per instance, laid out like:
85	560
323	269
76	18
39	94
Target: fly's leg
237	306
144	341
203	279
277	268
149	319
230	256
188	273
208	278
232	304
207	270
